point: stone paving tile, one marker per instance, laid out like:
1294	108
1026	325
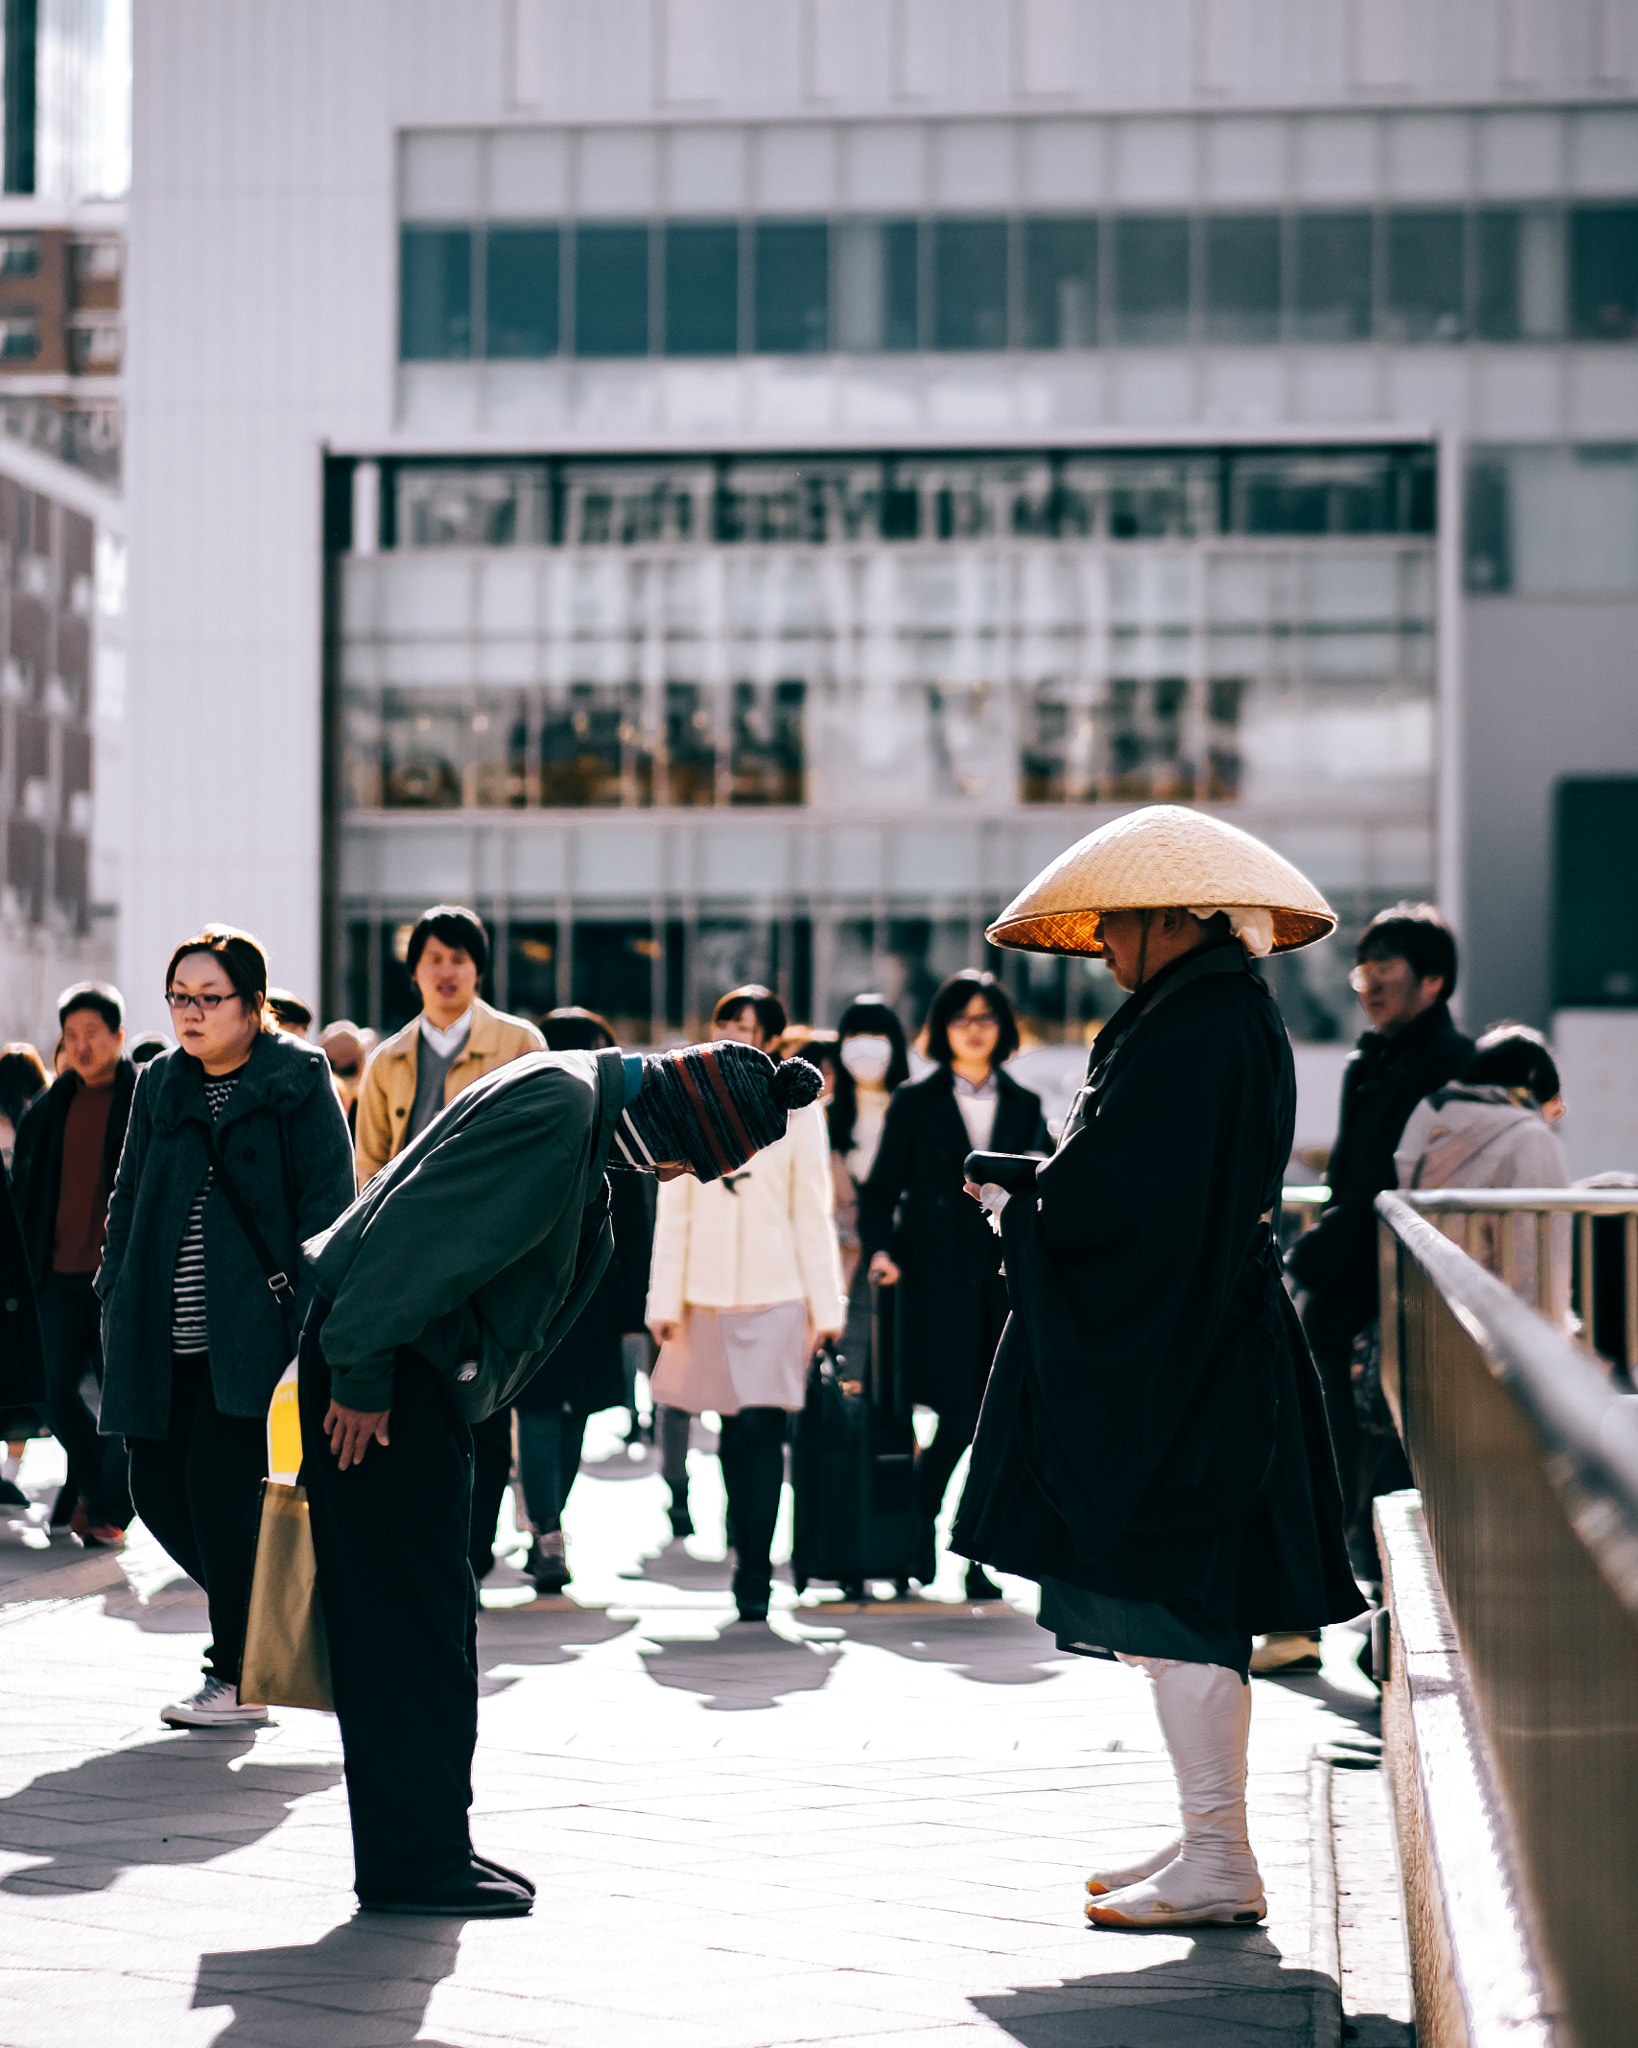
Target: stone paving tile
861	1829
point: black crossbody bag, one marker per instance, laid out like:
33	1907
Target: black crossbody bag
279	1282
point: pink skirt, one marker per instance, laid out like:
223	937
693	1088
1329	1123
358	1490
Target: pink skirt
726	1359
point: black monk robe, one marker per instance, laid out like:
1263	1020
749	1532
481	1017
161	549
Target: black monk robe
1153	1428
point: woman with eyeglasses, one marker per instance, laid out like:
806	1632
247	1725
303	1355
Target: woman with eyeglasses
195	1337
918	1230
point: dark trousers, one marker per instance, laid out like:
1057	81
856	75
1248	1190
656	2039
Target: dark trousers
71	1324
549	1446
491	1471
200	1492
1337	1379
753	1471
671	1427
401	1608
938	1461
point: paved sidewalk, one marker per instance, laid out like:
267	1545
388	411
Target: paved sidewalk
859	1828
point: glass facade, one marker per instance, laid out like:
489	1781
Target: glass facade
863	646
725	287
1552	519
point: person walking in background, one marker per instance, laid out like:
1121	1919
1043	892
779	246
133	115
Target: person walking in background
875	1059
441	1292
745	1281
342	1045
920	1233
456	1040
1494	1129
585	1372
289	1012
68	1152
22	1077
195	1337
149	1047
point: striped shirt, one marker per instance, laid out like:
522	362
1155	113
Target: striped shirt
188	1280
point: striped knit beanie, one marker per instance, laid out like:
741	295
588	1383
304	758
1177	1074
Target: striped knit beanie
712	1106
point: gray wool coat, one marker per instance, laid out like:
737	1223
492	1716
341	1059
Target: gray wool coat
284	1140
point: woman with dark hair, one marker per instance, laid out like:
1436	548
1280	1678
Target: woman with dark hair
194	1337
585	1373
917	1229
22	1078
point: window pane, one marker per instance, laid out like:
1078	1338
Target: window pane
1424	295
611	291
1060	283
1152	279
970	284
520	297
1496	310
1332	301
702	289
1604	273
435	294
876	285
792	287
1242	277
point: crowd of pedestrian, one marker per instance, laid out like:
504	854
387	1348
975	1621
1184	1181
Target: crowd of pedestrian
426	1225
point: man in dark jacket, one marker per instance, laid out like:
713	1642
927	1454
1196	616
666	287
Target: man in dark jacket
1152	1446
1404	974
442	1290
68	1148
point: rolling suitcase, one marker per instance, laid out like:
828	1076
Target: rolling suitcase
851	1462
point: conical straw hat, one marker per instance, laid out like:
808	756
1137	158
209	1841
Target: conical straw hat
1148	860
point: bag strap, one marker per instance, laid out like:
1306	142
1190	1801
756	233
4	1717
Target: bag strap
278	1281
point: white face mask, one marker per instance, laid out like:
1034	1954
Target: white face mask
868	1058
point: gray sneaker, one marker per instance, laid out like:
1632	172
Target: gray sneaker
214	1705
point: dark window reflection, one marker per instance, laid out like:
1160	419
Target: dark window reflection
690	745
531	969
611	291
1604	273
1423	292
521	292
767	762
614	975
1242	278
792	287
900	329
1332	300
1152	279
702	289
589	748
1060	283
1496	260
434	294
970	284
422	743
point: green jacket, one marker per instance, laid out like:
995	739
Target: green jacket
479	1244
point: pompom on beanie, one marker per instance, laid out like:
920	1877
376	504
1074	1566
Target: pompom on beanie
712	1106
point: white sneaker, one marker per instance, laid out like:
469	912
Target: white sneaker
214	1705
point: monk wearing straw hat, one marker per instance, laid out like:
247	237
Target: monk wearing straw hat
1153	1445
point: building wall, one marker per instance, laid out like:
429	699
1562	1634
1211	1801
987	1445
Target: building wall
263	303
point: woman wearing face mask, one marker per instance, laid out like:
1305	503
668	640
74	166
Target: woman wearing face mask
917	1228
872	1060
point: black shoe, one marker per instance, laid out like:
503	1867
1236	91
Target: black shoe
12	1495
980	1586
752	1613
682	1523
547	1565
477	1893
501	1870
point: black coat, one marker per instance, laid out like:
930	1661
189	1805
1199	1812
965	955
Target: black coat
953	1302
1154	1427
586	1370
37	1163
22	1355
1384	1080
284	1140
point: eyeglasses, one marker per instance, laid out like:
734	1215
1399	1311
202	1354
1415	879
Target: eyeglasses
972	1020
1376	974
175	1000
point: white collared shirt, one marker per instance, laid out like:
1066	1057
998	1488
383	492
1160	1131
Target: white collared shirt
447	1043
977	1105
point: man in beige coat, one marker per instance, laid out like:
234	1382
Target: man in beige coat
456	1040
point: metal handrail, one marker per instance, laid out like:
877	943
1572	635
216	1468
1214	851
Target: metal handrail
1527	1464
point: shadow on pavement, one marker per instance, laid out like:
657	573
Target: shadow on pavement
673	1566
988	1648
176	1800
744	1668
362	1981
1366	1714
1230	1991
539	1635
621	1465
180	1610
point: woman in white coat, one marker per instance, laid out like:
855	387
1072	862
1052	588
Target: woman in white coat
745	1281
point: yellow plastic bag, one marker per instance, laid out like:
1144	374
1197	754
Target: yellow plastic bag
284	1430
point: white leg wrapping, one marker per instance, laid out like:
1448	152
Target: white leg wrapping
1205	1714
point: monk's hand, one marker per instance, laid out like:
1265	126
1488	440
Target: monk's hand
971	1187
351	1431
